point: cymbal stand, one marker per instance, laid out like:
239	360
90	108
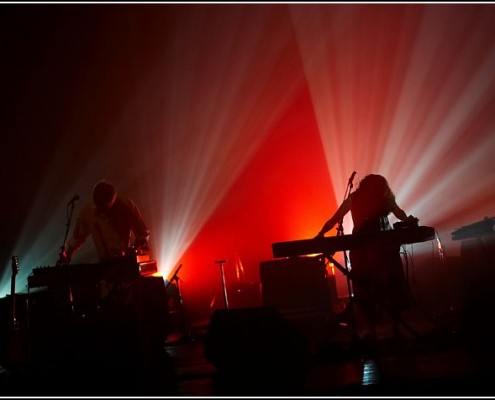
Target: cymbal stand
224	289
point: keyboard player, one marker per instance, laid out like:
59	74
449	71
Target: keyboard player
378	283
120	234
118	231
115	224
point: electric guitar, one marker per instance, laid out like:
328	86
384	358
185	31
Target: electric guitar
16	350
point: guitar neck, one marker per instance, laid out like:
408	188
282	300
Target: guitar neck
15	269
13	296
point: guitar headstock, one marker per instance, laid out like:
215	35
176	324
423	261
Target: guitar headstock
15	265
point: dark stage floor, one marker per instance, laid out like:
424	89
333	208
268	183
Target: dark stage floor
256	352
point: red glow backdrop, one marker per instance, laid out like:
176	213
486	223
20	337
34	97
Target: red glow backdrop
238	125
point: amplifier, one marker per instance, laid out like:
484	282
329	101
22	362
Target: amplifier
485	227
295	283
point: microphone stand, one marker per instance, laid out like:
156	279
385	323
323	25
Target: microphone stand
183	320
340	232
224	288
70	211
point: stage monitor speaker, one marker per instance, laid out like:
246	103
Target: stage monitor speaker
257	337
295	283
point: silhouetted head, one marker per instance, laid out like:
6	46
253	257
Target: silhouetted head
374	196
376	184
104	195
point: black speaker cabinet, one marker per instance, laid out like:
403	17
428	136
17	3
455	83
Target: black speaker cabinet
258	337
14	345
128	319
295	283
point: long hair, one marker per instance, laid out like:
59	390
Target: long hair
373	198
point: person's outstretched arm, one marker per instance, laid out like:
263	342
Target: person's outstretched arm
401	214
339	214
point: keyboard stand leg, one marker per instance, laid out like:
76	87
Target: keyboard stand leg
408	328
348	313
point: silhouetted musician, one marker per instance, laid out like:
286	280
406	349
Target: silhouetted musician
378	282
115	224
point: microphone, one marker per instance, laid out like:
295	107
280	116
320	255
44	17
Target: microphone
352	178
73	200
